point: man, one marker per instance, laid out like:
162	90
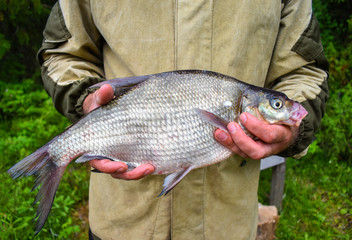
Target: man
266	43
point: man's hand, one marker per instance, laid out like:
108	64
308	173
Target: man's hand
273	138
101	96
115	169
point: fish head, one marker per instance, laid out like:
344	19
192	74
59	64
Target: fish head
273	107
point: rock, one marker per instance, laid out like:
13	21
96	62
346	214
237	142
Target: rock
268	219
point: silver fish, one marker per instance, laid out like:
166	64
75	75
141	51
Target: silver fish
165	119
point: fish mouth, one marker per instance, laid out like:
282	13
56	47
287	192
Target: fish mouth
298	113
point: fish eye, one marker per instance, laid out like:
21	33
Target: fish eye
276	103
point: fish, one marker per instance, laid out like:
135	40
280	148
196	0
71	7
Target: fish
165	119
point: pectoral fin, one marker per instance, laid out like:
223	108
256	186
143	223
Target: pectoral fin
213	119
173	179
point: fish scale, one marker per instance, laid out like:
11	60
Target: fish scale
165	119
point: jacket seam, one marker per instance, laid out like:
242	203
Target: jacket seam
204	200
156	218
175	33
212	36
67	33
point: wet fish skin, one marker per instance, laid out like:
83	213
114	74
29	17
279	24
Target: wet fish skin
165	119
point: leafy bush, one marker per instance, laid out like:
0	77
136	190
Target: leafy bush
334	142
28	121
19	40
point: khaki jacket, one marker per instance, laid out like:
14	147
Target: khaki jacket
266	43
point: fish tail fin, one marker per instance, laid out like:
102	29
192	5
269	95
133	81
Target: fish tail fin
48	175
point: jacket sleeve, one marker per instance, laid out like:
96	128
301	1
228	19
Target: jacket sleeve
70	56
299	69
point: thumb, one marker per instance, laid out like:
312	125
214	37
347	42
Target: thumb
103	95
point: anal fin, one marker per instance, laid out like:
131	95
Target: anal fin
86	157
173	179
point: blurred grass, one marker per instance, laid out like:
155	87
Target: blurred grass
317	199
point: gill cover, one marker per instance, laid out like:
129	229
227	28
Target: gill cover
249	103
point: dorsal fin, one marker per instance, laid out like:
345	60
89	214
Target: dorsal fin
122	85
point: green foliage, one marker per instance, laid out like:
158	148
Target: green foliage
334	17
334	142
28	121
17	212
317	203
19	40
5	45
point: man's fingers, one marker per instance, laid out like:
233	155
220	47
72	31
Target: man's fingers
101	96
226	140
108	166
119	169
223	137
104	94
264	131
137	173
246	144
255	149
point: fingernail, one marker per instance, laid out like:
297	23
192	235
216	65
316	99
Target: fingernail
147	172
221	136
243	118
232	128
121	170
